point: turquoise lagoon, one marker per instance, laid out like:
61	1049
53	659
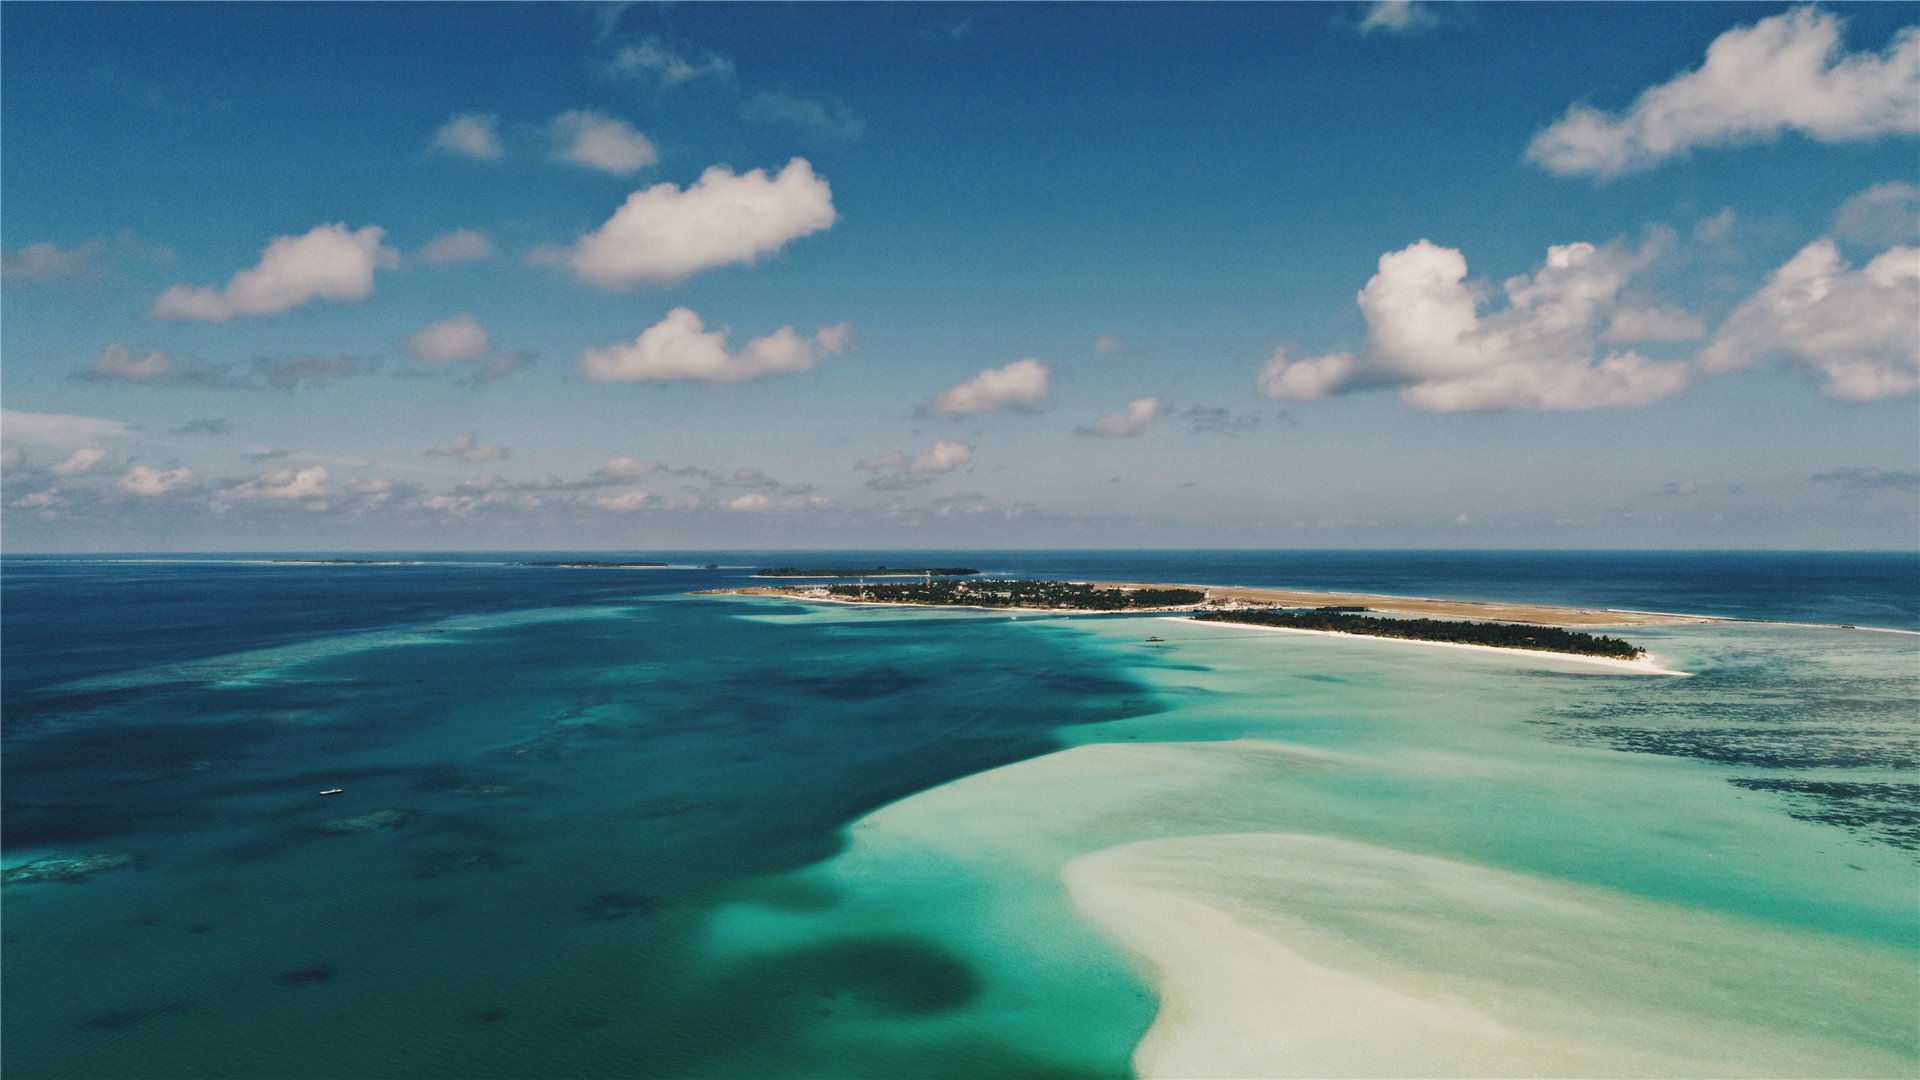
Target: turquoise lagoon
632	832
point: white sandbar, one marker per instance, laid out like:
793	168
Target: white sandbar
1645	665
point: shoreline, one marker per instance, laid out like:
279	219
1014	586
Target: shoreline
1648	664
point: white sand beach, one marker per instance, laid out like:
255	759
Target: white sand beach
1646	664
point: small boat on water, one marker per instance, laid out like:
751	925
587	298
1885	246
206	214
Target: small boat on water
333	791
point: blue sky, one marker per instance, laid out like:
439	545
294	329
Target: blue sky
449	276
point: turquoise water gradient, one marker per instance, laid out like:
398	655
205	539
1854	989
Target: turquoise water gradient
610	835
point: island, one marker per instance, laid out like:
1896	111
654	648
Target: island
1335	620
588	564
867	571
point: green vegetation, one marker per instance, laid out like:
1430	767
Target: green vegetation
868	571
1020	594
1503	635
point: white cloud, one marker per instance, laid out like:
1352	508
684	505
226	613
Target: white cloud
12	458
328	262
602	142
1539	352
147	481
751	501
1855	327
468	448
458	246
1886	213
55	429
83	461
1397	16
469	135
679	347
40	263
119	363
1653	324
1136	419
655	60
288	483
625	467
662	234
459	338
1107	344
632	499
826	117
1022	382
944	456
1784	73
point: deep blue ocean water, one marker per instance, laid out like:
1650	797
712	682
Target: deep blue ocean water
553	776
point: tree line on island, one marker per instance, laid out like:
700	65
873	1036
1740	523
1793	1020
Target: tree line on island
867	571
1020	594
1501	635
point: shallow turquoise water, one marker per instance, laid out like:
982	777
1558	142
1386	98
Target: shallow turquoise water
611	837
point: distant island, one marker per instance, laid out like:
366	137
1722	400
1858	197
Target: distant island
1046	595
587	564
867	571
1498	635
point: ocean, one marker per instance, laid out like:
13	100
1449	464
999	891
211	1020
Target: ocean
591	825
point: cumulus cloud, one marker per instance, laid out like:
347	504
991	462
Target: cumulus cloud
295	371
459	338
328	262
120	363
1020	383
41	263
468	448
59	430
750	502
1784	73
1397	16
148	482
631	499
1539	352
599	141
83	461
662	234
1136	419
458	246
829	118
469	135
943	456
626	467
1886	213
655	61
1653	324
285	484
1854	327
680	347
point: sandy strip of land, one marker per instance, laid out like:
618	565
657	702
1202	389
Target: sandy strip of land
1646	664
1537	614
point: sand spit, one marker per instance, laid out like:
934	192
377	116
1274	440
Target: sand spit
1646	664
1280	955
1538	614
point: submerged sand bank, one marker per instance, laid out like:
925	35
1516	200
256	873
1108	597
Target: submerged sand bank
1646	664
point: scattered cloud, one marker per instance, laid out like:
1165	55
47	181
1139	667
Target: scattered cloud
1397	17
1205	420
681	348
1784	73
328	262
458	246
120	363
1872	478
1855	327
750	502
599	141
83	461
295	371
1883	214
469	135
449	340
1136	419
942	457
12	458
1539	352
746	478
830	118
631	499
1021	383
656	62
1653	324
499	368
38	264
149	482
58	430
285	484
205	425
626	467
662	234
469	448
